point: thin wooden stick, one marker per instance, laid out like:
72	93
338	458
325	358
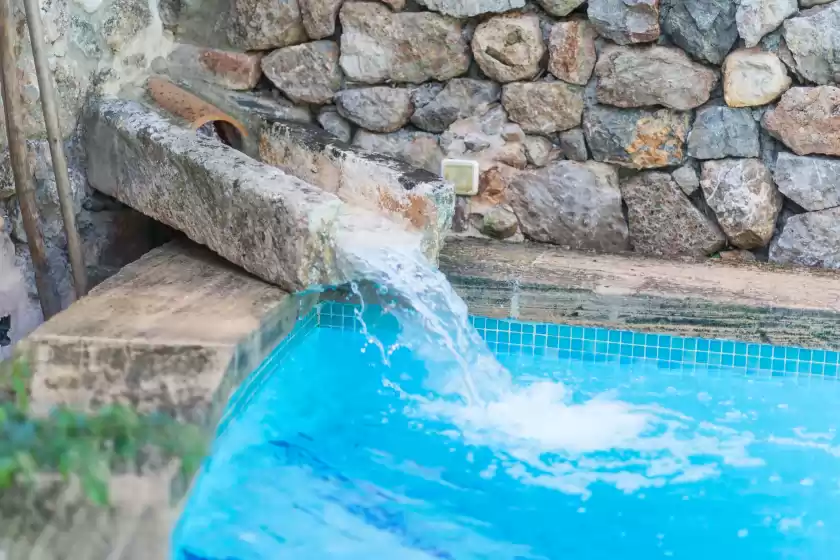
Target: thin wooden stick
24	184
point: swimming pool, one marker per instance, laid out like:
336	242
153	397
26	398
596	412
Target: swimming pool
608	445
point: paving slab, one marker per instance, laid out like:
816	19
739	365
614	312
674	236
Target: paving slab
175	332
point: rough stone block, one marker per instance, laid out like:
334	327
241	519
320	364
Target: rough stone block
160	335
273	225
229	69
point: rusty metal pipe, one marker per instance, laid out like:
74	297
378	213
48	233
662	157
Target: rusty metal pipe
59	161
24	184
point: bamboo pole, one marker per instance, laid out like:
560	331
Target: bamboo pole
59	162
24	184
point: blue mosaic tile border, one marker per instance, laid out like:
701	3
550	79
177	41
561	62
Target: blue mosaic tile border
337	315
242	395
508	337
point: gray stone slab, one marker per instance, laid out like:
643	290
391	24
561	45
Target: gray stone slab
274	225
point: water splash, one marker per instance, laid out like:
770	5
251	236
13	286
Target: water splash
533	425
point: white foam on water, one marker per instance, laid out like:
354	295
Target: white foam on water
539	434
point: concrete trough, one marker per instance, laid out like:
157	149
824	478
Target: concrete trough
274	225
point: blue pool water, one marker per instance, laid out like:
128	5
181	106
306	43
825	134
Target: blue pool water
331	453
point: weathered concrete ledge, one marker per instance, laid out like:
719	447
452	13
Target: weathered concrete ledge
416	197
173	332
272	224
749	302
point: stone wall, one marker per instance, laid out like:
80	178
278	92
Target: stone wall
670	127
95	47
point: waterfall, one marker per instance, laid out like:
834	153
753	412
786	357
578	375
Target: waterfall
434	320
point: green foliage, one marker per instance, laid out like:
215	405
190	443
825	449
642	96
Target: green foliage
83	446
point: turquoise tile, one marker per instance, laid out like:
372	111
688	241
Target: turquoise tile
669	352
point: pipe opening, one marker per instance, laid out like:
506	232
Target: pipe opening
223	131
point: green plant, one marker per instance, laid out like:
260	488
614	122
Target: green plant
83	446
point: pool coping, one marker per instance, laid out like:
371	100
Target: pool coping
748	302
